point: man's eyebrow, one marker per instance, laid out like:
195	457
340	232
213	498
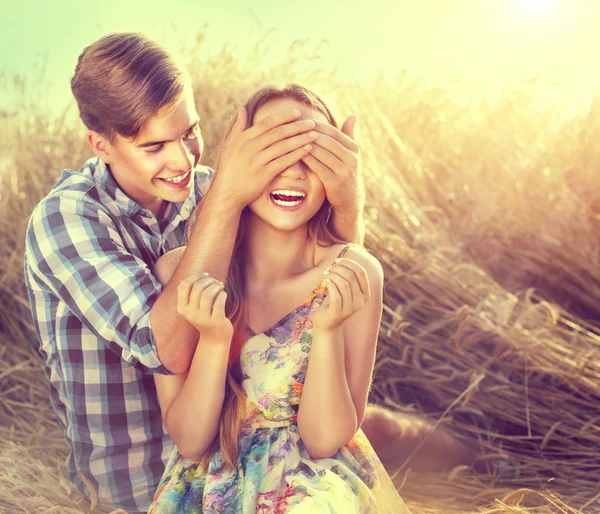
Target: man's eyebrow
153	143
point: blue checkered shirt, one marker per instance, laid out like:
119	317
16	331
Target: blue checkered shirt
89	254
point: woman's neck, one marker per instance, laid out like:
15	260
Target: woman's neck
275	255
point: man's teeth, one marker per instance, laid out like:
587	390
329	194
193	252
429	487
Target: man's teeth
176	180
287	198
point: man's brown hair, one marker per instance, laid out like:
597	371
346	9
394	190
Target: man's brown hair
122	80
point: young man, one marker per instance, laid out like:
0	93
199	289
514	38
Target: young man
104	322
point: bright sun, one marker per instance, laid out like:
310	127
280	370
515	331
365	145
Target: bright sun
536	4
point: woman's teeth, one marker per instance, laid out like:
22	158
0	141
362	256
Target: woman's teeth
287	198
176	180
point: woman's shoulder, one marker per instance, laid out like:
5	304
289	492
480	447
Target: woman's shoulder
367	260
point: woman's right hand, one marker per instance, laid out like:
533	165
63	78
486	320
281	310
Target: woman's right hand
251	158
201	302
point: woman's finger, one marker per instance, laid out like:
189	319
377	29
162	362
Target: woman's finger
334	295
197	289
208	299
349	276
345	292
218	311
359	272
184	289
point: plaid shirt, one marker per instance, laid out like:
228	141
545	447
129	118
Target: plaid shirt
89	254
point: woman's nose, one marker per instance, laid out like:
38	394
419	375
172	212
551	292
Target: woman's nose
296	171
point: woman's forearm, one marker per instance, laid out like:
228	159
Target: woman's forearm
327	415
193	418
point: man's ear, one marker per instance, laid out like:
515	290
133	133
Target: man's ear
100	146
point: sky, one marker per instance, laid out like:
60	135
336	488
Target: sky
487	42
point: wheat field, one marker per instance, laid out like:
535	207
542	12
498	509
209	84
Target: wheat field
486	218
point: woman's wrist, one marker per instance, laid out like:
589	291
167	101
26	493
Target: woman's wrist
327	332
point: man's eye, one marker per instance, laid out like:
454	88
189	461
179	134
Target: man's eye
156	149
193	134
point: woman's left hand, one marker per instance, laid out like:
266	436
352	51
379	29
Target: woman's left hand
336	161
348	291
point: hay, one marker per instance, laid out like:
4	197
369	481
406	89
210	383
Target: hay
485	218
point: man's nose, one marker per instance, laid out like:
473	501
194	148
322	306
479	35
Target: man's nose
181	157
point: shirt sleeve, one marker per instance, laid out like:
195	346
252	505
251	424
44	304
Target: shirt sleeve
74	249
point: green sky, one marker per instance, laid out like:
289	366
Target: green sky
488	41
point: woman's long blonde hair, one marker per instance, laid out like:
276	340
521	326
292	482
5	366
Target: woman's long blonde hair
319	232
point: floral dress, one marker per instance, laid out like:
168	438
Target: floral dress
275	474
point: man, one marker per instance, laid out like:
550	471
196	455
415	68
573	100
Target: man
104	322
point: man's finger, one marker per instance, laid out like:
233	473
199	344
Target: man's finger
286	146
323	172
338	150
275	167
336	134
349	125
271	122
282	133
330	160
241	121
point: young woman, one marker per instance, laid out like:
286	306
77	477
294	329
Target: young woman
267	418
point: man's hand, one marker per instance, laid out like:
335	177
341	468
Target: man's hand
336	161
251	158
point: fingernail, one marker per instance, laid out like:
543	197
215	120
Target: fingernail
308	148
313	134
295	112
205	274
338	260
326	272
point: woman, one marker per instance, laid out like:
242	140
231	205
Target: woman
267	419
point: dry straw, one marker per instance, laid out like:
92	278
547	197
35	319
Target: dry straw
485	217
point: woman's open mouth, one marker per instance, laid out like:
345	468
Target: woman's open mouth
287	199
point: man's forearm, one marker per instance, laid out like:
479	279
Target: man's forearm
349	228
209	250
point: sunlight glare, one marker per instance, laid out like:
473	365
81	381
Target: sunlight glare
536	4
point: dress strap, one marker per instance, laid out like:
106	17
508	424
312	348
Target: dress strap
343	251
